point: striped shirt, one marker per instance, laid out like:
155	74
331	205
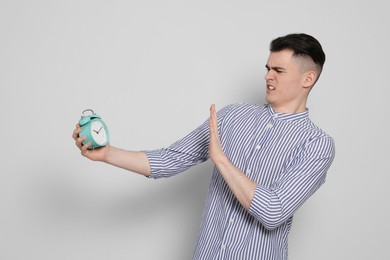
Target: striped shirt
285	154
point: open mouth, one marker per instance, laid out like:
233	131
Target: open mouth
269	87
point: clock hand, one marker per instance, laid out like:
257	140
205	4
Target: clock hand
99	130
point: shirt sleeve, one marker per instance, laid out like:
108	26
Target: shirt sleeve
181	155
274	206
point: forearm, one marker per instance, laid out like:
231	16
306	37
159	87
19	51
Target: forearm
267	210
129	160
242	187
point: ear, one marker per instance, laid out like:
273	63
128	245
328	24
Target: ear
309	78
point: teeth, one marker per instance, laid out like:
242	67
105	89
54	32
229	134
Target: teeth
271	87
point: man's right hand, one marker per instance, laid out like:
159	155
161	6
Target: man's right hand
128	160
97	154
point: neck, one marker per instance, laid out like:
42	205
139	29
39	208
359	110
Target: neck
290	105
289	108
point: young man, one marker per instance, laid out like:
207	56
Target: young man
269	159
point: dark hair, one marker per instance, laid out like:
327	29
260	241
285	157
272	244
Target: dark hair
302	45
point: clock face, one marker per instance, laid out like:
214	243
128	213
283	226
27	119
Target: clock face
98	133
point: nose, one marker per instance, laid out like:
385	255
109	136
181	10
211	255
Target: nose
269	75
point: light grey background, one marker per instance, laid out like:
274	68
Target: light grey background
151	69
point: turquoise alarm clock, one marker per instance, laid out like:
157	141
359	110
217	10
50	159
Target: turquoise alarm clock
94	129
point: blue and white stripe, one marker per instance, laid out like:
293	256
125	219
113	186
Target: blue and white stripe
285	154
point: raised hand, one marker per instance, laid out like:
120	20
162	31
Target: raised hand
215	149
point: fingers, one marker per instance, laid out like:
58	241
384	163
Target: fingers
84	148
215	149
80	139
212	110
212	113
213	120
215	145
76	132
76	136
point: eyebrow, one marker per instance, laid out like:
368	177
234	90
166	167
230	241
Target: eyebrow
275	68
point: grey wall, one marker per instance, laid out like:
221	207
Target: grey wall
151	69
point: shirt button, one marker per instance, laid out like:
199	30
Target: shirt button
231	220
223	247
269	125
258	147
249	171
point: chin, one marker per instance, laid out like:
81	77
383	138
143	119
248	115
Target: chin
268	100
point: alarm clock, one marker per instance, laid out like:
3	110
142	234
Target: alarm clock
94	129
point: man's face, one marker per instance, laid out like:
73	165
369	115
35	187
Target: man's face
285	91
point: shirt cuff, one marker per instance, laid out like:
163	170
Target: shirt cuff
266	207
155	162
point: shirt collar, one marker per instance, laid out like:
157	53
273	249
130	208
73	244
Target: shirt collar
287	116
